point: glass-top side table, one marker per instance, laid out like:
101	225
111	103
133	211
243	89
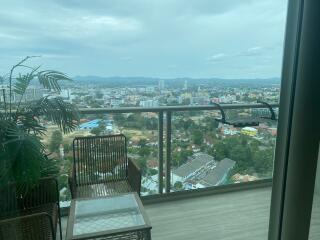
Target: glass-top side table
121	216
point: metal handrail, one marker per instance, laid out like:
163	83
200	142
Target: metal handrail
168	111
173	108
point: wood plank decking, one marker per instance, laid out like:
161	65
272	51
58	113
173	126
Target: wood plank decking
239	215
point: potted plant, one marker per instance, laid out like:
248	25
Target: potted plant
23	157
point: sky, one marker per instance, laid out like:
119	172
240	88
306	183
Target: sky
151	38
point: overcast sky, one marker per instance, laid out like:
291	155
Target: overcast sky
156	38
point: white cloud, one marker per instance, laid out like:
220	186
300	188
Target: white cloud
101	35
216	57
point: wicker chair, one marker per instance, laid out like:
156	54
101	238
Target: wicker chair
33	215
101	167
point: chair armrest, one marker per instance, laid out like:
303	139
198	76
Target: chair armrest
33	226
44	192
72	182
134	176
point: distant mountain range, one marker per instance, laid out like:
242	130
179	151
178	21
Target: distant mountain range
173	82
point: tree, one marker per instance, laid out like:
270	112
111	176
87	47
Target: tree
96	131
179	158
219	151
178	185
22	154
135	120
153	171
151	123
142	142
67	147
56	140
142	163
197	137
188	124
119	118
100	129
263	161
144	151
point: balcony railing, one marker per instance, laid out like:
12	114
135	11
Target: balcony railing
165	133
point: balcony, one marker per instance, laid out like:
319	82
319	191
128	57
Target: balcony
167	133
228	211
233	211
236	215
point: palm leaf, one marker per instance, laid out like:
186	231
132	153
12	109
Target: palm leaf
49	79
30	123
22	156
49	167
63	114
22	83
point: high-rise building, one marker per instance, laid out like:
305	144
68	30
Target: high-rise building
30	94
149	103
185	86
161	84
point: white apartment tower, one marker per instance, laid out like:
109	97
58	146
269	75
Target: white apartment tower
161	84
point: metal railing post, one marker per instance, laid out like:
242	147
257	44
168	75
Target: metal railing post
160	151
168	152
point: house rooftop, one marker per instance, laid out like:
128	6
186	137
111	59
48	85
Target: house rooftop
219	173
195	162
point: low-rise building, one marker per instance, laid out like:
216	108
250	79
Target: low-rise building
219	174
196	164
250	131
149	103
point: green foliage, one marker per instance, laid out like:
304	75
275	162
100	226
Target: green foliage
55	109
184	124
22	154
178	185
50	79
22	82
179	158
119	118
137	121
56	140
245	151
197	137
142	142
142	163
263	161
67	147
144	151
96	131
100	129
152	171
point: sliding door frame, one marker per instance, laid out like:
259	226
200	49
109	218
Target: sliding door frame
298	130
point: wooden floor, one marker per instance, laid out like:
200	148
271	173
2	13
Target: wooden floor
229	216
314	233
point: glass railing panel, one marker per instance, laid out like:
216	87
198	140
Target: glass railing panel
140	129
206	153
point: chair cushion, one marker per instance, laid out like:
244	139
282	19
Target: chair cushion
103	189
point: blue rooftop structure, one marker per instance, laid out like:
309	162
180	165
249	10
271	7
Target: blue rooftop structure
93	124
